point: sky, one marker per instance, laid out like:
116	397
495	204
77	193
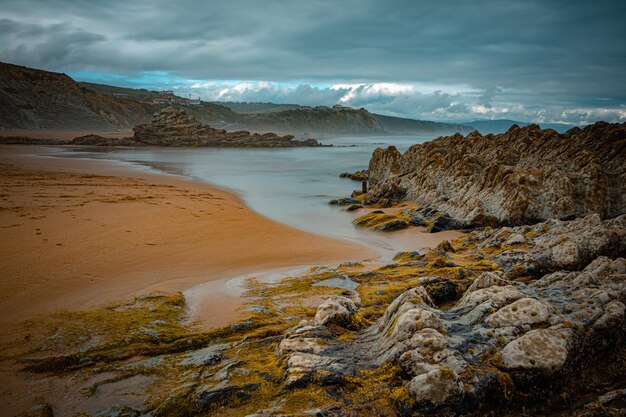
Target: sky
539	61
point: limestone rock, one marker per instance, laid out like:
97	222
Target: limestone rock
561	245
542	349
522	176
436	386
523	311
337	310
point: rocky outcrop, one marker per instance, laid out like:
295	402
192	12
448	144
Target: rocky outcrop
504	340
556	244
523	176
173	127
36	99
500	334
355	176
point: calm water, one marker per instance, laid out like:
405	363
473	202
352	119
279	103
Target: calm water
291	186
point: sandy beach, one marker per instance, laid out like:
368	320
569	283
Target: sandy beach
63	134
75	234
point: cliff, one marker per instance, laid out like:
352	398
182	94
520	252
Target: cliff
35	99
522	176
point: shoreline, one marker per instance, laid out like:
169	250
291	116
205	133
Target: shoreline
161	258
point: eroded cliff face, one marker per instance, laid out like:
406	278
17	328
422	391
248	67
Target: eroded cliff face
522	176
35	99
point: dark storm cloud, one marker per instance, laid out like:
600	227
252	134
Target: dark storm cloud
486	57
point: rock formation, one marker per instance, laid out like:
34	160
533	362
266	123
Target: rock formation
173	127
504	341
523	176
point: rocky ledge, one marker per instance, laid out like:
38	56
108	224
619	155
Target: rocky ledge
523	176
173	127
506	342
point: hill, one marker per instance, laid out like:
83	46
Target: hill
206	112
41	100
258	107
35	99
400	126
336	120
503	125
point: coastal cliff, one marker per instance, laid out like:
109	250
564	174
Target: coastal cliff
36	99
523	176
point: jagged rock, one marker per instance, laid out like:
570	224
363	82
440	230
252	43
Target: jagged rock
308	347
344	201
442	223
531	332
96	140
173	127
392	225
117	411
445	246
355	176
335	310
561	245
224	373
211	396
516	239
417	219
522	176
205	356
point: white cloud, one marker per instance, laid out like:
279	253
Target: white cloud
412	100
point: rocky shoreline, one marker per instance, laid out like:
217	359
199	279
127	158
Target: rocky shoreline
525	175
522	315
172	127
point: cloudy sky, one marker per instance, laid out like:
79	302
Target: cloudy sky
543	61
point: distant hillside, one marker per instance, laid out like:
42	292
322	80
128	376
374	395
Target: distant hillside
252	108
503	125
316	120
338	120
204	111
399	126
35	99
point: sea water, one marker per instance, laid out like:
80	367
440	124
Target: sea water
289	185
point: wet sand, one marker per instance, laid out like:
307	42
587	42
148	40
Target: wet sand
75	234
63	134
